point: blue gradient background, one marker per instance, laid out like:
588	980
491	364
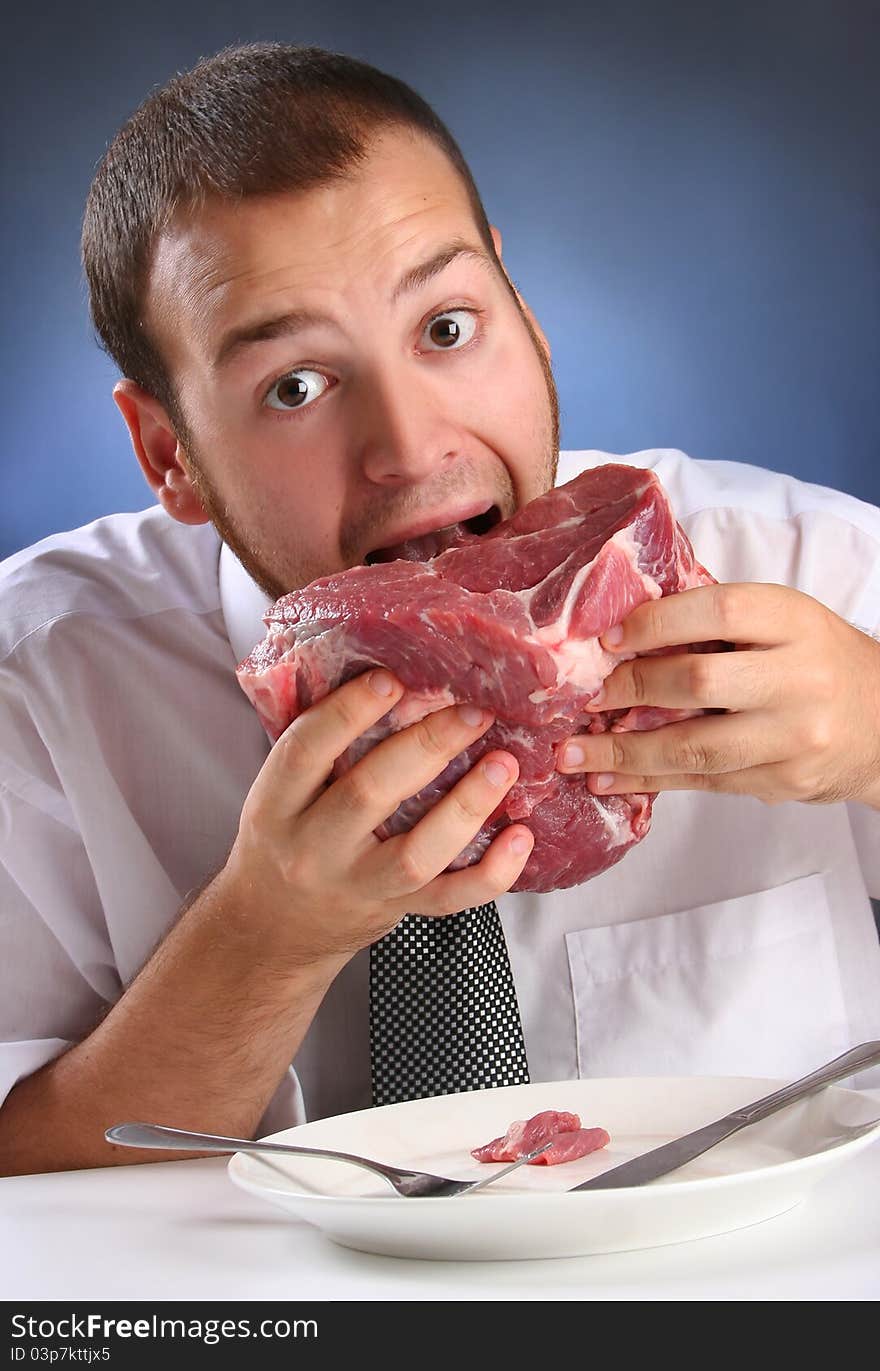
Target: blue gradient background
689	195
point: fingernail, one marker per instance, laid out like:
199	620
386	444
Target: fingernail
382	682
604	780
573	755
614	636
596	700
470	715
520	844
496	773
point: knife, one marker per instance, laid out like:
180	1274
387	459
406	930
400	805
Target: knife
670	1156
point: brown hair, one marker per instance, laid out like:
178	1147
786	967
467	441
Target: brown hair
253	120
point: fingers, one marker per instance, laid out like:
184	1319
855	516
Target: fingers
691	680
707	746
765	782
770	782
735	613
498	869
299	764
405	864
399	767
315	880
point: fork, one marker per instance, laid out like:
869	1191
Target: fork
410	1184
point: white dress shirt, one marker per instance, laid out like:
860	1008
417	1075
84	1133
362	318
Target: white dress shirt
736	938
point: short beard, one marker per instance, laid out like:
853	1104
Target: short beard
225	524
222	519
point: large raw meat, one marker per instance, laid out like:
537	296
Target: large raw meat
509	620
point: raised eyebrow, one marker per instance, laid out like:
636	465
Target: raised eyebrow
424	272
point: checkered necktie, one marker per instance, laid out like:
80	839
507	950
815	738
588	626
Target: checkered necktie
443	1011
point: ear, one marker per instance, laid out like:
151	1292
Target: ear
162	459
539	332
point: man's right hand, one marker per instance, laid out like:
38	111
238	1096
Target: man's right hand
206	1030
308	876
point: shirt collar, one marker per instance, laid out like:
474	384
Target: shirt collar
243	604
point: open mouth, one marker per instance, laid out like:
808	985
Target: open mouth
429	545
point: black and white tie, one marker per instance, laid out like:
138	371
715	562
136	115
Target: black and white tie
443	1010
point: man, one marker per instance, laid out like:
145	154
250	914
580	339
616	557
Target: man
322	356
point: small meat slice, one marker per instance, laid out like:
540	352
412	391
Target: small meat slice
567	1147
524	1135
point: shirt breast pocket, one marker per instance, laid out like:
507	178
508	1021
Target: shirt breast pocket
748	986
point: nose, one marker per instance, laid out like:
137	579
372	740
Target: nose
404	437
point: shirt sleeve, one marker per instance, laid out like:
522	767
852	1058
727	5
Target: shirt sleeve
56	975
59	974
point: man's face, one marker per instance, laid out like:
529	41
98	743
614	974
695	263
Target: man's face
353	367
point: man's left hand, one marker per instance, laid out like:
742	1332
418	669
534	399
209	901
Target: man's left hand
801	695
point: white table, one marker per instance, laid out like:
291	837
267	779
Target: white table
181	1231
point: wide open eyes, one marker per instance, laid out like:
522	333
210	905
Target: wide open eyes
449	330
296	389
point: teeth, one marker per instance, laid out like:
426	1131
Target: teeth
479	523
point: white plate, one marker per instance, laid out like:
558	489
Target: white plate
762	1171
